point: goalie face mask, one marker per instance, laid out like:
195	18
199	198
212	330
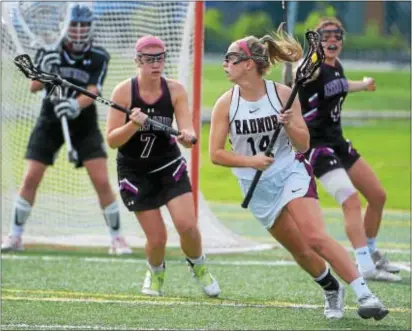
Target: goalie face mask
79	34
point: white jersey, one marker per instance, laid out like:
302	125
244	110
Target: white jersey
251	127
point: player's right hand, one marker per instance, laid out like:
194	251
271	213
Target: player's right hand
370	84
47	61
138	117
67	107
261	161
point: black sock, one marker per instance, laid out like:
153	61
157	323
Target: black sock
328	283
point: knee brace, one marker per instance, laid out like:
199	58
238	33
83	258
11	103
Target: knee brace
338	184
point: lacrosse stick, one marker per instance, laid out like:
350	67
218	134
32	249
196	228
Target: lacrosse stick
288	65
24	63
44	25
312	61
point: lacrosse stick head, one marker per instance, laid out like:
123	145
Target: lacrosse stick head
313	59
39	24
26	66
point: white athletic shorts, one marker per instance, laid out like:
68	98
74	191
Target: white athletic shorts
274	193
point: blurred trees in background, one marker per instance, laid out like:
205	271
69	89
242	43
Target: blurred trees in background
378	30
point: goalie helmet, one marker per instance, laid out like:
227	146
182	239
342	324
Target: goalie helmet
78	37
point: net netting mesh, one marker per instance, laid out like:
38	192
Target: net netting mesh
66	209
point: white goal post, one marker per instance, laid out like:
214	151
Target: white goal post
66	211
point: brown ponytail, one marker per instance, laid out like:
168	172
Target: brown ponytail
277	47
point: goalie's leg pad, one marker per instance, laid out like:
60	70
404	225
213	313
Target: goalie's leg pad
21	211
112	215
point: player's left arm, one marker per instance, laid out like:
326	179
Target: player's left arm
292	120
367	84
183	115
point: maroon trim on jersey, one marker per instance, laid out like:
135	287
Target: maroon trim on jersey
163	86
270	101
237	107
277	94
312	190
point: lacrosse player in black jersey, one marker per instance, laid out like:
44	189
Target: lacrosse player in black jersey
85	65
336	163
151	169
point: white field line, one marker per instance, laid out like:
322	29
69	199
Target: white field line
403	265
76	327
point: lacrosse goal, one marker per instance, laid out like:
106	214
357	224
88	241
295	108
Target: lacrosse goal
66	211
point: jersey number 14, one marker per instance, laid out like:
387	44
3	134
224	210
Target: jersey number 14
263	144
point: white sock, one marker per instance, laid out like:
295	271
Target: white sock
21	212
199	260
363	258
158	268
323	275
112	217
360	288
372	245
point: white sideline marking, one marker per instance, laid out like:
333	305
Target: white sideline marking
403	265
78	327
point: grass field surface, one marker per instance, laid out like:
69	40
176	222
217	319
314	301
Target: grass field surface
83	289
385	145
393	89
260	291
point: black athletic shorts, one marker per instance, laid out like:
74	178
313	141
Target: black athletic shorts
47	138
152	190
327	158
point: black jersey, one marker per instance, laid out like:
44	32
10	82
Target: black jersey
150	149
90	70
321	101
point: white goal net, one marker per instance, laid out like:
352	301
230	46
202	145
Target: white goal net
66	211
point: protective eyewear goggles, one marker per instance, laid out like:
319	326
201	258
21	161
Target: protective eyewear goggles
236	57
325	35
151	58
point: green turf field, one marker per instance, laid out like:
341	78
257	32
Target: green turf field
260	291
384	144
82	289
392	88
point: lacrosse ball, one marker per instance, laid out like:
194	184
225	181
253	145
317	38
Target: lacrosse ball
314	57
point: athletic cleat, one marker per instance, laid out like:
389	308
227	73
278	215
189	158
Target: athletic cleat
12	244
119	246
380	275
382	262
204	277
153	283
370	306
334	303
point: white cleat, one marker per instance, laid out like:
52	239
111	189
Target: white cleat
119	246
382	262
12	244
370	306
380	275
334	303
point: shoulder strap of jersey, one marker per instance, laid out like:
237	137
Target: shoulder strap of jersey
234	103
273	96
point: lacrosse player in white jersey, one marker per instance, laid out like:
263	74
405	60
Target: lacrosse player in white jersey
285	200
